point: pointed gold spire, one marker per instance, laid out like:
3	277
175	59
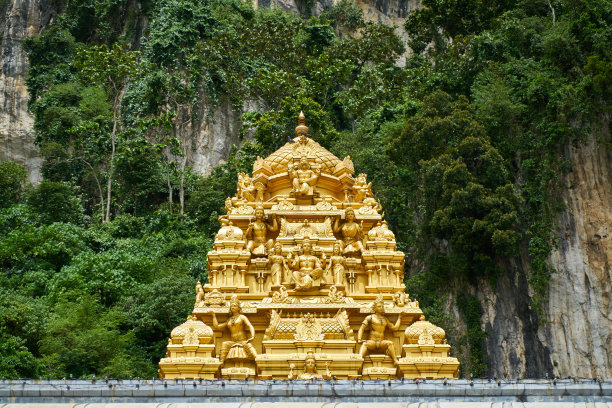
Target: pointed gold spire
301	128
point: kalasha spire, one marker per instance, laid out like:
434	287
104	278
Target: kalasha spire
301	129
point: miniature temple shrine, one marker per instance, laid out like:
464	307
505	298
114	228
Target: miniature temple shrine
305	281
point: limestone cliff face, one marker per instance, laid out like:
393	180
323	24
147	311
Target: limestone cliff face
391	12
579	311
574	335
21	19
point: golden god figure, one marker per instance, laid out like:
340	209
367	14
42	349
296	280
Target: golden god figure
307	267
377	323
241	331
352	233
304	177
257	232
310	369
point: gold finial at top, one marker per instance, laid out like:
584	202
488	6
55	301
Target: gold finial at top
301	129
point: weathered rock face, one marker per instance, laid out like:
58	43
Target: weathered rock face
214	138
390	12
579	312
574	335
512	345
22	18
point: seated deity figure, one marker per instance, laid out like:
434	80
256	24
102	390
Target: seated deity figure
377	323
352	233
279	264
303	176
310	369
257	231
337	264
306	267
241	331
361	189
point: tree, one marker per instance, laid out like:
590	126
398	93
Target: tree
465	191
83	339
56	202
111	68
12	182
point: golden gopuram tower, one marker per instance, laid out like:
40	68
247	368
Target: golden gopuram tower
305	282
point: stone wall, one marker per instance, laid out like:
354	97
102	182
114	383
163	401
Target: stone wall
227	393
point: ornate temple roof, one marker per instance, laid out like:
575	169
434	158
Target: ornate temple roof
302	145
280	159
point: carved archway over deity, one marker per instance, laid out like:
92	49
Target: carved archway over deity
303	261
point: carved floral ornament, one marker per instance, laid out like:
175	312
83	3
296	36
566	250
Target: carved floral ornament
304	281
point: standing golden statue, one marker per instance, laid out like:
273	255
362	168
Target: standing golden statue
241	331
337	265
278	265
352	233
257	232
377	322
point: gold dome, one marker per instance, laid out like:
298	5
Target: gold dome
201	329
412	333
280	159
302	145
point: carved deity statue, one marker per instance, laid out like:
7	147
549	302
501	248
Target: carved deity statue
377	322
337	265
246	189
304	176
361	188
199	295
352	233
257	231
310	369
306	267
229	205
241	331
279	265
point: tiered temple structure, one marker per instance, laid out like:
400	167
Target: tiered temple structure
305	281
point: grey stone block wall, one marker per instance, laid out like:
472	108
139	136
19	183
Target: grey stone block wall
339	394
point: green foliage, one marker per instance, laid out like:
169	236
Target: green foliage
16	361
107	67
51	58
465	192
56	202
344	15
22	322
154	309
83	338
12	183
476	365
